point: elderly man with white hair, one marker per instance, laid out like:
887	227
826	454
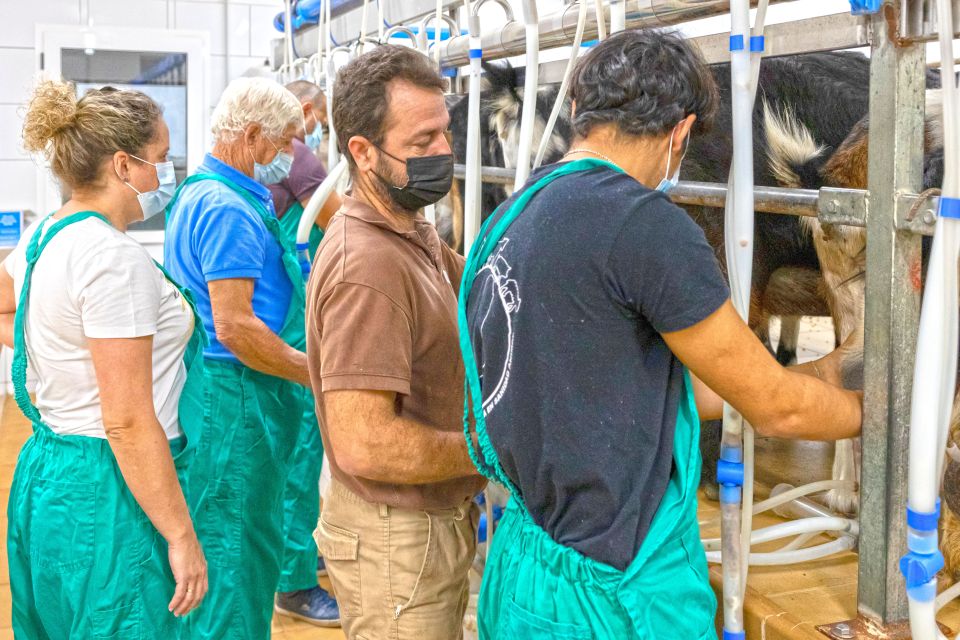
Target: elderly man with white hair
223	242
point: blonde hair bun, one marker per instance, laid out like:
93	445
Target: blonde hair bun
52	109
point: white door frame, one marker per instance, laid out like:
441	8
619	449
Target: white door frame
52	39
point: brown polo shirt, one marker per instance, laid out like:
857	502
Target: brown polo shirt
382	315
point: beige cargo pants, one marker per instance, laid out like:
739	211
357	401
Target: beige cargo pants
398	574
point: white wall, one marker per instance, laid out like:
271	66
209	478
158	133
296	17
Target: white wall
240	32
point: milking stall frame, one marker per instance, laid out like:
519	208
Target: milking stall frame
892	209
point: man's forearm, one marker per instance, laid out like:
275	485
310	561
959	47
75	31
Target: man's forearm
256	346
408	452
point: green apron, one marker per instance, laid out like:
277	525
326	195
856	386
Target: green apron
301	498
235	489
85	561
535	588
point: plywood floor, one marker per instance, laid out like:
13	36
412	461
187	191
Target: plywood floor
14	430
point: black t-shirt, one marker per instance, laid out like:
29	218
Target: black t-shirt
580	390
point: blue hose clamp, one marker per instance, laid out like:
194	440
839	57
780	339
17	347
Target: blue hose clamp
862	7
757	44
734	635
924	521
475	53
949	208
736	42
730	475
921	564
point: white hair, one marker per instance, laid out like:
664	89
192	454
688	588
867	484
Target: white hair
246	101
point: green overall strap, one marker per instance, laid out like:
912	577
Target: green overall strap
476	258
20	357
291	264
199	339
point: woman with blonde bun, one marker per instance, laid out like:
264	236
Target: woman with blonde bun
100	541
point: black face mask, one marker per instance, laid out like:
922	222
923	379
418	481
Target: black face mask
429	178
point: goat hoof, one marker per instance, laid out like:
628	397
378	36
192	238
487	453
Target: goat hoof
843	501
711	491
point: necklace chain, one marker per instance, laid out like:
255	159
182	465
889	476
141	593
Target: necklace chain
591	152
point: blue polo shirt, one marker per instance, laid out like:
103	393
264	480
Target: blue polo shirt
214	234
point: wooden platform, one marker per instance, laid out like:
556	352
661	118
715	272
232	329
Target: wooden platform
788	602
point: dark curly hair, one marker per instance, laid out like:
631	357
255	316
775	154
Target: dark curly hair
360	92
644	82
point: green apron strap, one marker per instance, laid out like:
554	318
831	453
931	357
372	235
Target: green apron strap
20	357
293	323
479	253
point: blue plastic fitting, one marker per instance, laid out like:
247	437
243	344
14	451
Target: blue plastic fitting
924	521
920	568
861	7
730	494
734	635
730	473
949	208
736	42
757	44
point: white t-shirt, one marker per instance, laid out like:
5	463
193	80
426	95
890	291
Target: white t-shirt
93	281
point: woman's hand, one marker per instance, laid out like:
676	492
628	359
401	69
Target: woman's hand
190	573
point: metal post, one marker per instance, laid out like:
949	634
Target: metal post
892	313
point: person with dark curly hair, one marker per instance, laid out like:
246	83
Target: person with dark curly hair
591	308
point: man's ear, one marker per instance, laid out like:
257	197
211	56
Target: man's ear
252	134
362	151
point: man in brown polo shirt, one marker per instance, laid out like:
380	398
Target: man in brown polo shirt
398	527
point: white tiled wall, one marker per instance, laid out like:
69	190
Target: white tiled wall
240	31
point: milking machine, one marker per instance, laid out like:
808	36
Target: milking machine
734	471
935	370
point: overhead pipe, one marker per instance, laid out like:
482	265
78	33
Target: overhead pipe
557	29
531	86
935	369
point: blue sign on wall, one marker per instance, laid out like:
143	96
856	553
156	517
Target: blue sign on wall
11	225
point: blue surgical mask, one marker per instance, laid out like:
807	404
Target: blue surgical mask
668	183
153	202
277	170
315	139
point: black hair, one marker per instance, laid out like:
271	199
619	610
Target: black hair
644	82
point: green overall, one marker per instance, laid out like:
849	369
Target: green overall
537	589
85	561
301	498
236	482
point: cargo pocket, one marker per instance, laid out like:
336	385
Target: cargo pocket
341	552
62	524
122	623
518	623
218	524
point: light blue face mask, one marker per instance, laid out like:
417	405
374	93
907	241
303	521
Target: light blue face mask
667	184
277	170
315	139
153	202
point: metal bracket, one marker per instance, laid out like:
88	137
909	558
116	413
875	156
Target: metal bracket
865	629
916	213
843	206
